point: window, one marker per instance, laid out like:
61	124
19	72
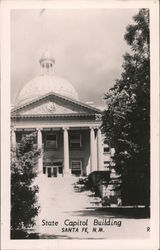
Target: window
75	141
51	141
76	168
106	149
106	164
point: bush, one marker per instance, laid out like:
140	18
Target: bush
24	206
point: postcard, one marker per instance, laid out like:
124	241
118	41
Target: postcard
80	119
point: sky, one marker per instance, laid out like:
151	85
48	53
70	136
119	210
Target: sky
88	46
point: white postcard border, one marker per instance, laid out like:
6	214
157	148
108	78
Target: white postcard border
151	243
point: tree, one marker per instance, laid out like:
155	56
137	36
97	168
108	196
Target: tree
126	122
24	206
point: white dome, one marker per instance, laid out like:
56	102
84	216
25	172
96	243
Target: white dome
44	84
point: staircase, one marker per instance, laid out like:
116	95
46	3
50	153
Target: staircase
61	198
64	193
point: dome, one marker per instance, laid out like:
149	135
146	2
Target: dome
46	83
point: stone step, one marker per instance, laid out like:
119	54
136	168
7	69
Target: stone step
54	192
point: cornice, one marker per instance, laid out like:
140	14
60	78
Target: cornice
52	94
69	115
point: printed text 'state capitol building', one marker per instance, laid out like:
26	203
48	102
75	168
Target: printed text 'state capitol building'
68	131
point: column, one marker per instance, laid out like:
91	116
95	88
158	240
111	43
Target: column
66	151
13	138
99	150
95	148
39	138
92	150
39	143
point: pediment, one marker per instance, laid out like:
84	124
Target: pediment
54	105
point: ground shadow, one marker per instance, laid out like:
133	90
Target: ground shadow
116	212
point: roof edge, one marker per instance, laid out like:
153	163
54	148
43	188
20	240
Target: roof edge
59	96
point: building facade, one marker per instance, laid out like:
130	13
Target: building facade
68	131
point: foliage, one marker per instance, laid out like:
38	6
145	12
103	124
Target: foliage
126	122
23	193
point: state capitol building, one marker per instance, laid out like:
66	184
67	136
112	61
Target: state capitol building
68	130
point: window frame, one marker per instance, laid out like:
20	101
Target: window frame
71	143
106	146
77	160
106	164
50	147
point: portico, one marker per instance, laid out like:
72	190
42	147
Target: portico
66	159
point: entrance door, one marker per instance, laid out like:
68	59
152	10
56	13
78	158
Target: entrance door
59	169
49	172
54	171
